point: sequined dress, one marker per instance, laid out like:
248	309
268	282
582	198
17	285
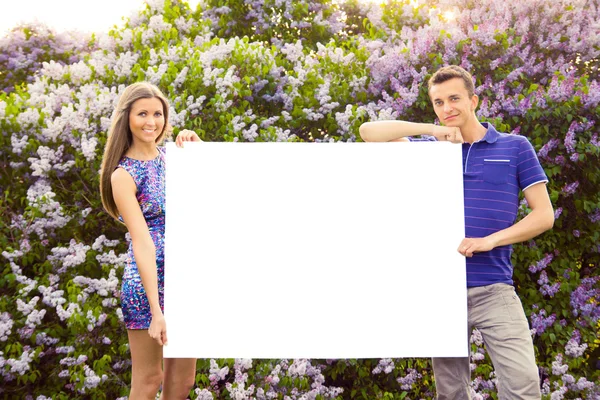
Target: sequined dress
149	178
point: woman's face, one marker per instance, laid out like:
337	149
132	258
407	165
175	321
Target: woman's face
146	120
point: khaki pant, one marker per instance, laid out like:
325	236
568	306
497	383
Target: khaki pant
496	311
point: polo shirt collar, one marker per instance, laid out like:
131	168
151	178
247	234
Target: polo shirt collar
491	135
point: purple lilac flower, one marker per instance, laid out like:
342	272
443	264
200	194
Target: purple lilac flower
409	380
549	146
570	188
542	264
558	368
559	160
385	365
574	157
595	216
539	321
582	299
573	348
557	212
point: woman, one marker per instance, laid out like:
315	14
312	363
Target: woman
133	191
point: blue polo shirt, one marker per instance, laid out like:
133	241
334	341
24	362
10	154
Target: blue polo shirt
495	169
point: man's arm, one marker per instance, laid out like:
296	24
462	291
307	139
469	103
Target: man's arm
397	131
539	220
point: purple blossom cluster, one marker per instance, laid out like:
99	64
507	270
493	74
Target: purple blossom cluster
543	263
545	288
584	300
540	322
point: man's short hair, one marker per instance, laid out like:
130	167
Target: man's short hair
450	72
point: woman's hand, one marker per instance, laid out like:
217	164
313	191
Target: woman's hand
158	329
186	136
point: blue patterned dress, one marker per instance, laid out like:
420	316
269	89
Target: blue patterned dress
149	178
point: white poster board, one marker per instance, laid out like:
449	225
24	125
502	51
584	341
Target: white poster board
315	250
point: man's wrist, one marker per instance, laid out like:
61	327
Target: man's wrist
494	240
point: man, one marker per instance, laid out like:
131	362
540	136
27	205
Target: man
496	166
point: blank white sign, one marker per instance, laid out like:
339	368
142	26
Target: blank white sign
315	250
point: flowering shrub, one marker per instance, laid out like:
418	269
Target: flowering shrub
286	71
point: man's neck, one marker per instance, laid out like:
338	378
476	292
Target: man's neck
473	131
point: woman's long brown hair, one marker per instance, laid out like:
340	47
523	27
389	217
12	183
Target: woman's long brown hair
119	137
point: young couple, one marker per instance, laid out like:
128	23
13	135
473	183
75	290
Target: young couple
496	167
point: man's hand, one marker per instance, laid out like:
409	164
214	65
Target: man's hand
449	134
468	246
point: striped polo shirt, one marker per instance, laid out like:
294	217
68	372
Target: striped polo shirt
495	169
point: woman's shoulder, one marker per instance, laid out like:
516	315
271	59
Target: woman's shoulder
121	176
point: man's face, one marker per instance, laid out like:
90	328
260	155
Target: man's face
452	103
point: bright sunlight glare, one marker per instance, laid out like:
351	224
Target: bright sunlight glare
449	16
70	15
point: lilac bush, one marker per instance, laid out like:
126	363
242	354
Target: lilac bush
286	71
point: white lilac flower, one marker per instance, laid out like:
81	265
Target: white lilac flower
6	324
177	119
283	135
203	394
243	364
154	74
28	117
111	258
18	144
65	349
311	115
217	52
125	63
53	70
27	308
158	24
68	257
52	297
101	62
126	38
476	338
102	241
119	313
251	133
298	368
43	338
385	365
180	79
79	72
293	52
66	314
156	6
88	147
35	318
21	366
2	108
217	374
112	302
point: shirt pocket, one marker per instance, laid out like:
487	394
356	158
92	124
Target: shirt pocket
496	170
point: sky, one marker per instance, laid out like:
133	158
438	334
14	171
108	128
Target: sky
80	15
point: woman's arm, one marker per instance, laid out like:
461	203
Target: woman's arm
144	251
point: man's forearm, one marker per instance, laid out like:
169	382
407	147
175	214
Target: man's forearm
535	223
385	131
